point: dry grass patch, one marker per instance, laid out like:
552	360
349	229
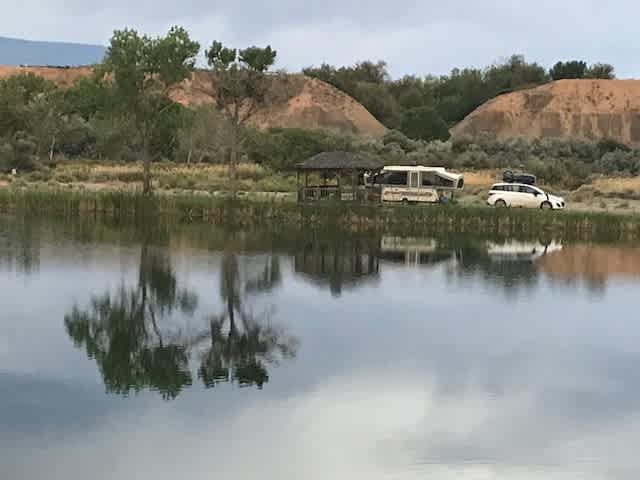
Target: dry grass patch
483	178
174	176
617	184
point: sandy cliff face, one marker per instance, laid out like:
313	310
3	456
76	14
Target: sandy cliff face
588	109
299	101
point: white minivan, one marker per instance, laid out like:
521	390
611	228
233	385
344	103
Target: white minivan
520	195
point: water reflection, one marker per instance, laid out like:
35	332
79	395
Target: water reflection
19	246
125	333
420	374
131	333
510	265
418	252
339	263
593	263
243	343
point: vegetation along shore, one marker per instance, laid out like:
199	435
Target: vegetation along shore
245	213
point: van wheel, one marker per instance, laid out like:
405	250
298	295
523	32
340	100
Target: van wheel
500	204
405	201
546	206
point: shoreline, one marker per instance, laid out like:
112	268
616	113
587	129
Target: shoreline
247	213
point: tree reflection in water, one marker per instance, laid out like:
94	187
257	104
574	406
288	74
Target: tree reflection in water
128	333
123	333
19	246
241	343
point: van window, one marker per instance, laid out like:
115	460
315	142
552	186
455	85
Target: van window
526	189
498	188
432	179
395	178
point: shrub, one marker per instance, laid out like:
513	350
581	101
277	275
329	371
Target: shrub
283	148
400	139
6	157
63	178
41	175
608	145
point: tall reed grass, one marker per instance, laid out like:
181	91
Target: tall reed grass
246	214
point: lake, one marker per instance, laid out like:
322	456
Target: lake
191	352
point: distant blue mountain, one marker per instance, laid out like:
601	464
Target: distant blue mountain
26	52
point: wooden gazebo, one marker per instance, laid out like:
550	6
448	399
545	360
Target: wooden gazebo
335	175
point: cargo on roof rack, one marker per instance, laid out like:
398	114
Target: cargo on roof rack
510	176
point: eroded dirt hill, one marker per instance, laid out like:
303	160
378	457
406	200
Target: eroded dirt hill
298	101
588	109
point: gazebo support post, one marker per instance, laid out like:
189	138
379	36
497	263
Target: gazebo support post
354	184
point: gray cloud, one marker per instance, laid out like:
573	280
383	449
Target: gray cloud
418	37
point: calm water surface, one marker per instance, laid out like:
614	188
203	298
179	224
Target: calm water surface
196	353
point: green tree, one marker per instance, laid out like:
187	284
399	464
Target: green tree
204	135
568	70
424	123
241	87
459	93
377	99
327	73
368	83
89	97
143	71
46	122
19	152
23	98
348	78
513	74
600	71
283	148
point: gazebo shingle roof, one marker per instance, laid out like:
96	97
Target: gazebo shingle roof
340	161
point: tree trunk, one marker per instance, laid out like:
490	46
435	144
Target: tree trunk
146	177
52	148
232	316
233	156
154	323
147	188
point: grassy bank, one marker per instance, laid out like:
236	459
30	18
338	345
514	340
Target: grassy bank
238	213
167	176
602	194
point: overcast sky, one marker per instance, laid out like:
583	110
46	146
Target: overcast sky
414	37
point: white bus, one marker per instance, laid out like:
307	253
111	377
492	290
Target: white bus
418	184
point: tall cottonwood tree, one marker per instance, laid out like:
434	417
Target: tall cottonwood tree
142	71
241	85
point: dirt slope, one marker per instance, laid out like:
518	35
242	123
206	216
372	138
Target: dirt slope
60	76
589	109
299	101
